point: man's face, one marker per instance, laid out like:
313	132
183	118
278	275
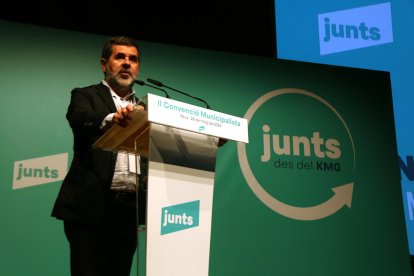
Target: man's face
122	67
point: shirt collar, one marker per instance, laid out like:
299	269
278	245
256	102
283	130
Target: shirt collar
128	97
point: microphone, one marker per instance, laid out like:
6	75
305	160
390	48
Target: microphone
140	82
160	84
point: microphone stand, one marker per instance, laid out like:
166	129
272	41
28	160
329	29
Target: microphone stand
140	82
160	84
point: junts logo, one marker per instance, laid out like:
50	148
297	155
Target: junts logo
180	217
355	28
300	165
40	170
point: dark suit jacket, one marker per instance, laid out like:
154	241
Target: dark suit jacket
84	194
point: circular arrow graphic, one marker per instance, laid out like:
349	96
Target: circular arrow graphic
342	194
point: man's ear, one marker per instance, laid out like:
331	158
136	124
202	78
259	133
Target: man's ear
103	65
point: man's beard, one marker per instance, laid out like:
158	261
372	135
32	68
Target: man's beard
120	83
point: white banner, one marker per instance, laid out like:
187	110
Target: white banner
194	118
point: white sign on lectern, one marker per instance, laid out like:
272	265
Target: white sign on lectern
197	119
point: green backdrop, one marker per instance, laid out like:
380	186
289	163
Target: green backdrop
268	218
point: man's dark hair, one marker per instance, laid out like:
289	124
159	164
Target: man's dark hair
118	40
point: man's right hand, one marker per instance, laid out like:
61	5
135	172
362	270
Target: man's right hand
122	116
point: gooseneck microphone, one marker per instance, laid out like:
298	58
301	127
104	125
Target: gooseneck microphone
140	82
160	84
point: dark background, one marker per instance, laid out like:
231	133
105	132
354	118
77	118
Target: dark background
238	27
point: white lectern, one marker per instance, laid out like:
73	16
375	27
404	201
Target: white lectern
180	141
